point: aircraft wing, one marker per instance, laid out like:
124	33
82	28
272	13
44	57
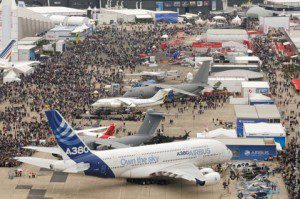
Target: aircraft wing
177	90
185	171
127	102
111	143
52	150
39	162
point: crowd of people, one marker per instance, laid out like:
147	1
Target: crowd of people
290	167
70	82
288	100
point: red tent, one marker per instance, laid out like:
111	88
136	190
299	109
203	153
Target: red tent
175	42
143	55
163	45
207	44
296	83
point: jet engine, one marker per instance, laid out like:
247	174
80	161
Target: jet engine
205	171
212	178
58	166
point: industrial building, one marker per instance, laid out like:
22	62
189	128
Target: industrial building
251	87
107	16
266	130
294	38
231	84
246	74
225	35
20	22
254	114
250	148
220	67
203	6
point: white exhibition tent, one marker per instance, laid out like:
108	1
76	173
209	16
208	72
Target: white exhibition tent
189	76
264	129
218	133
247	74
258	97
22	69
237	46
200	22
284	2
220	18
278	146
236	20
165	36
11	76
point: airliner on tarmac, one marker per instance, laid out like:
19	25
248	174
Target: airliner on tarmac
172	160
5	55
128	102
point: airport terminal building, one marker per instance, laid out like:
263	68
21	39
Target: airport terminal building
180	6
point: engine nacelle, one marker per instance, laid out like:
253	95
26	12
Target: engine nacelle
205	171
58	166
212	178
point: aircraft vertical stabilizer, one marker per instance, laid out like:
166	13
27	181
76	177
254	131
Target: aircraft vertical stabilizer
202	74
150	123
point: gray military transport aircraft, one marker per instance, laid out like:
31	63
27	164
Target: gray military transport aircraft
198	83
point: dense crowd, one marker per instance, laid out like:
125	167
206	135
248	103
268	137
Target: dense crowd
290	168
286	98
71	81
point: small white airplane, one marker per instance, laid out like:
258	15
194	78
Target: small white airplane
99	132
5	55
159	75
169	160
127	102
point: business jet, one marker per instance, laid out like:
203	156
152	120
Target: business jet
5	55
99	132
169	160
126	102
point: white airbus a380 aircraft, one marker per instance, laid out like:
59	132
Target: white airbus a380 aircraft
171	160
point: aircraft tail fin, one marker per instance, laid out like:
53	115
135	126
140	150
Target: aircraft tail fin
110	130
67	139
150	123
202	74
161	95
6	52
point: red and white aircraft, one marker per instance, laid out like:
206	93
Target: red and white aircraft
99	132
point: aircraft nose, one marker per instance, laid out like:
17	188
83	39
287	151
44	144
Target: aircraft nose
229	154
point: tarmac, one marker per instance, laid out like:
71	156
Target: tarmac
50	184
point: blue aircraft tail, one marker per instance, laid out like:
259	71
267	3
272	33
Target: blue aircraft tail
66	137
6	52
74	148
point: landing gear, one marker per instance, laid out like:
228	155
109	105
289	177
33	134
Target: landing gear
147	181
